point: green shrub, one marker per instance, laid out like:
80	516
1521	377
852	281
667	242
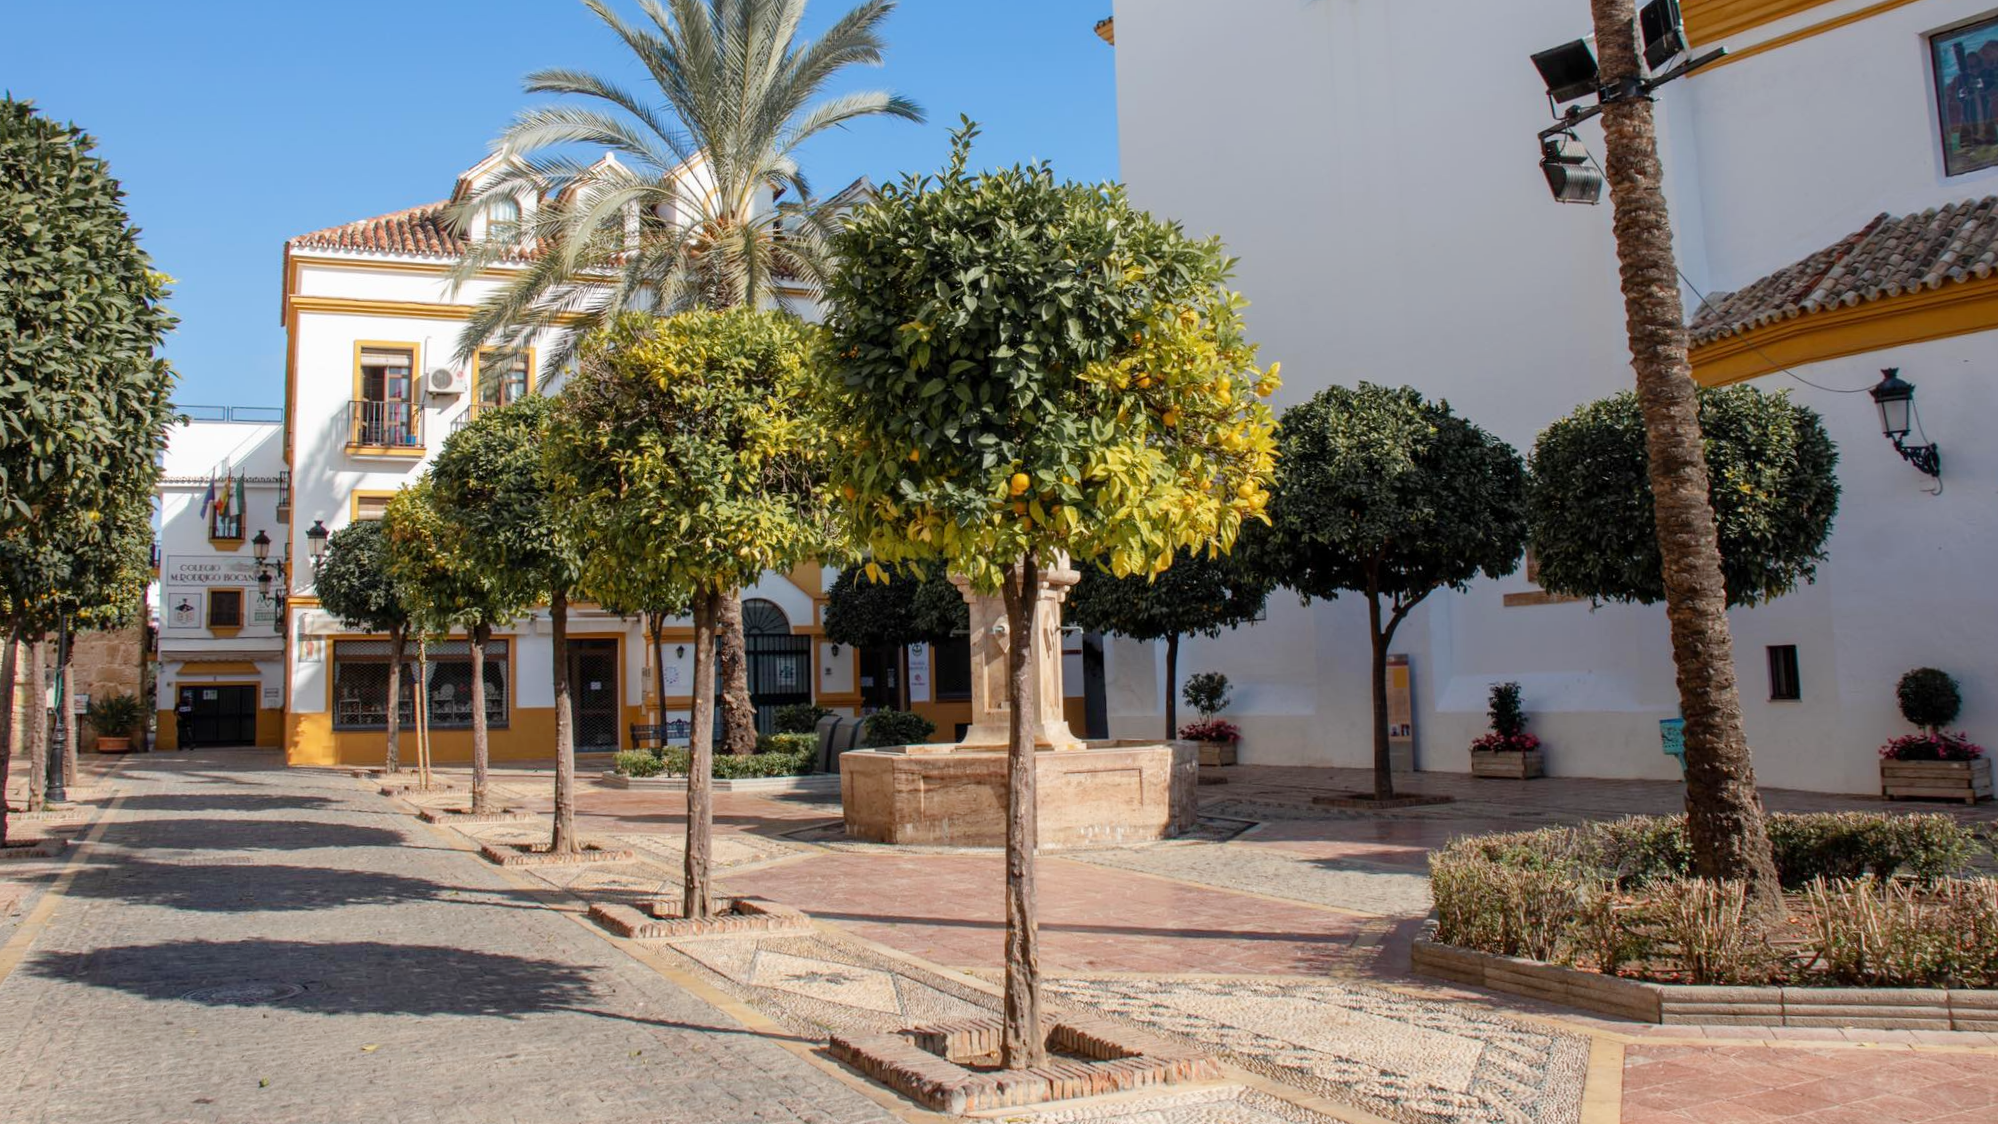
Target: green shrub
787	743
1929	698
1507	719
115	715
1870	933
1710	931
637	763
1207	693
800	718
729	767
1848	845
896	727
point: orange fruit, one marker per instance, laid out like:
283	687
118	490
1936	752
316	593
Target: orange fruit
1020	483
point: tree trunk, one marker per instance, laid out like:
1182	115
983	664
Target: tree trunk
37	724
1383	757
421	689
63	767
392	754
1022	1045
696	894
1724	818
563	839
8	667
1172	686
732	654
475	638
655	623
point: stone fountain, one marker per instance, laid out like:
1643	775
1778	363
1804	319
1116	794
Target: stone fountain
955	794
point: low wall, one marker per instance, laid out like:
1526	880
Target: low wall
1859	1008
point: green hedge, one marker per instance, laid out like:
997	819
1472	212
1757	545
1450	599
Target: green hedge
777	755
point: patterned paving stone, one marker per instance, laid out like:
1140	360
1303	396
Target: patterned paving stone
819	985
1405	1059
1205	1106
1343	885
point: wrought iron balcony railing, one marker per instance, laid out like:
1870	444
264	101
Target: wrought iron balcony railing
384	425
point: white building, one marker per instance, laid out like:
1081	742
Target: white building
221	647
1374	165
371	392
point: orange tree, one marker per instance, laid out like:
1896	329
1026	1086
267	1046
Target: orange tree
684	465
1025	369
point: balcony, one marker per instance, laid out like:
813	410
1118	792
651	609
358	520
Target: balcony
392	429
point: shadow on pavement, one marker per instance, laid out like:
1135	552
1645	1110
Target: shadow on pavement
206	886
262	834
339	977
221	802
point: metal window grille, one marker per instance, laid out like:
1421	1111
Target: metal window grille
360	685
225	608
1784	683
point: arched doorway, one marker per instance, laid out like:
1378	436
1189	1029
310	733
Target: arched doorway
780	663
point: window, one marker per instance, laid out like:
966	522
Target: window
371	505
502	378
502	217
385	413
360	685
1783	682
225	608
950	668
222	526
1966	80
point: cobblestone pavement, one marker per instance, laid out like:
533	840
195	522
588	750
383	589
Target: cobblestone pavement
246	944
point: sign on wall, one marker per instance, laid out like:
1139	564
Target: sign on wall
184	608
206	570
1401	715
919	673
1966	79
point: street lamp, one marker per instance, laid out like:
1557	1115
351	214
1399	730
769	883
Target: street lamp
315	543
274	569
1896	399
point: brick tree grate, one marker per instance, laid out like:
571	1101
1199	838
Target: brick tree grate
458	815
660	919
537	854
953	1067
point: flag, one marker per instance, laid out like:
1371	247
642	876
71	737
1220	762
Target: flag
242	499
208	501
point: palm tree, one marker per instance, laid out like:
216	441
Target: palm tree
1724	822
699	203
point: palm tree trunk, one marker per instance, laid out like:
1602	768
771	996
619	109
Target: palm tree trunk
475	638
696	894
732	654
1172	687
8	667
1022	1044
562	841
37	725
392	754
1724	818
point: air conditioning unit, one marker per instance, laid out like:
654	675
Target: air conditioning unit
444	380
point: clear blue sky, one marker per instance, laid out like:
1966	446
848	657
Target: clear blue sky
235	124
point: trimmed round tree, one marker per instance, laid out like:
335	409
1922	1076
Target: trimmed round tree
1027	369
491	488
1387	494
355	586
1199	595
1773	483
681	458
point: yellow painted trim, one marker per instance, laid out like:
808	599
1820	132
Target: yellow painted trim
1710	21
1801	33
354	504
478	362
222	667
421	310
242	609
415	399
231	545
1955	309
434	270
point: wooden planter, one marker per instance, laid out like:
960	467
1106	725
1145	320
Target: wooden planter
1506	764
1968	781
1217	753
108	744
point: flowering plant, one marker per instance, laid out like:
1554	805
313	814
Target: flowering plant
1506	743
1939	746
1211	730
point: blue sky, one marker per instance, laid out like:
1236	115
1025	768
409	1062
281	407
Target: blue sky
235	124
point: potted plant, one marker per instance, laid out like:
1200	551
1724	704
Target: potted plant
1934	763
114	717
1508	751
1207	693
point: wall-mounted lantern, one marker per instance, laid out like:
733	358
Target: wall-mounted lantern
1896	399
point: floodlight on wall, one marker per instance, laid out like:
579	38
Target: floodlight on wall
1565	163
1569	71
1663	33
1895	398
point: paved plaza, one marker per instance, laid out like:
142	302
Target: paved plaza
227	940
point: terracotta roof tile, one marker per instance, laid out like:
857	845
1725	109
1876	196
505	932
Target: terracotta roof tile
1885	258
418	231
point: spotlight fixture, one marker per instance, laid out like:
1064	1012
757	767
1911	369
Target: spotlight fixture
1662	31
1569	71
1565	163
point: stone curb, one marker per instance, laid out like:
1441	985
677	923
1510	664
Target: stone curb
1858	1008
512	855
737	915
438	815
816	782
41	849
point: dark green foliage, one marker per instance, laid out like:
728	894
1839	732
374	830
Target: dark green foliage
1507	720
638	762
800	718
1772	481
767	761
1378	487
903	608
83	397
896	727
1207	693
115	715
1929	698
1200	595
489	485
354	583
792	742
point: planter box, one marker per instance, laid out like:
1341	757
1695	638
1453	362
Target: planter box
1968	781
1506	764
1216	753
